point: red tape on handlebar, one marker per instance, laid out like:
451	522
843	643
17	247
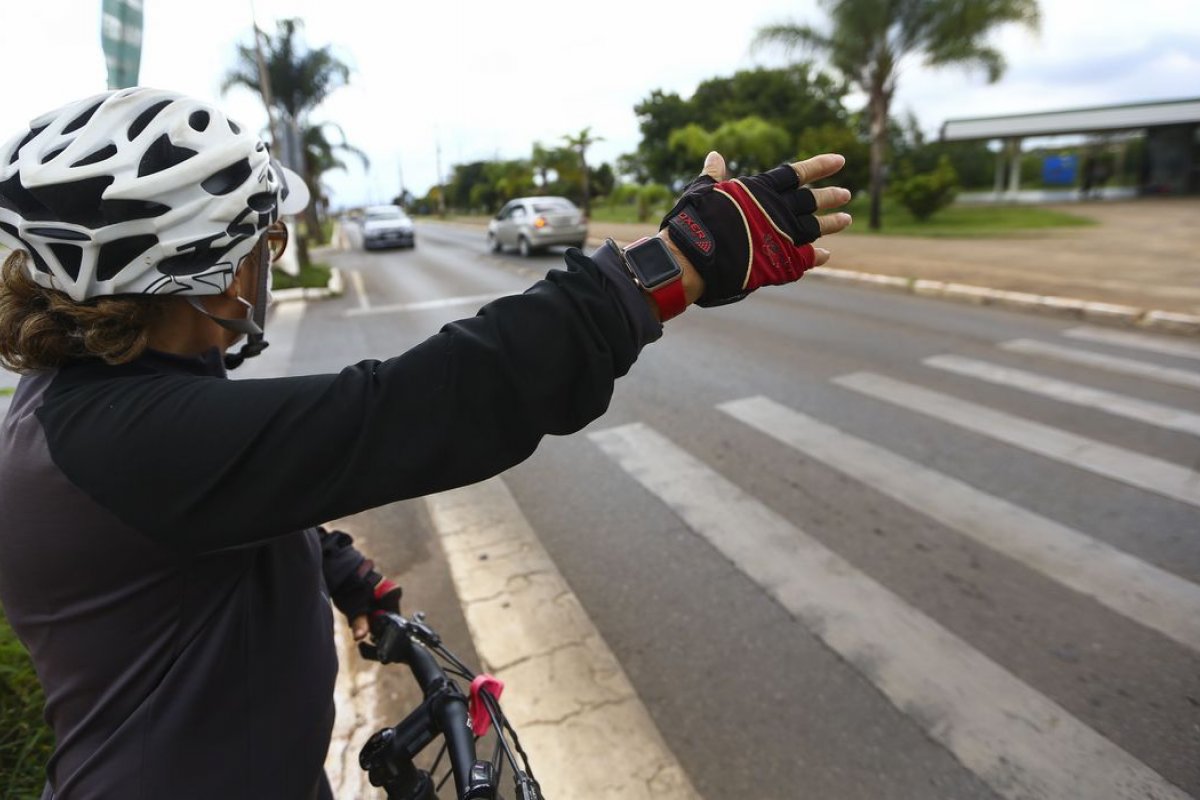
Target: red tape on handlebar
481	720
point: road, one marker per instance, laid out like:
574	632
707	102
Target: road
845	543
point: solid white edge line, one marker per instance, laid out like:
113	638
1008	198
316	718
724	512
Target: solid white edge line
588	735
1134	469
1153	597
360	289
1110	402
1019	742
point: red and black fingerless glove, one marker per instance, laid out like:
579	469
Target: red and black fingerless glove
354	586
744	233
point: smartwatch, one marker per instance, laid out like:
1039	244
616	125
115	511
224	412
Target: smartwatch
656	272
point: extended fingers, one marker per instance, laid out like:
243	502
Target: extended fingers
818	167
714	166
831	197
832	223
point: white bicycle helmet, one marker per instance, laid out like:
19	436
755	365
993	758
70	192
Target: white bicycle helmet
139	191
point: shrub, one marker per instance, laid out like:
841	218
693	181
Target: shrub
25	741
926	193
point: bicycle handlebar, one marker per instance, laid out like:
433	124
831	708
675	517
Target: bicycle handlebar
388	755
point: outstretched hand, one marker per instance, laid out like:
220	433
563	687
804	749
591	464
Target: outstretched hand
757	230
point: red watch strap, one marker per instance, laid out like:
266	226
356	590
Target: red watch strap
670	299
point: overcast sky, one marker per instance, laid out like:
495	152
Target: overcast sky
488	79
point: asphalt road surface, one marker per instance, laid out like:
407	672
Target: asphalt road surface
850	544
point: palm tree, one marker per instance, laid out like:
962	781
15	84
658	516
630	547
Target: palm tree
322	155
298	79
868	40
579	144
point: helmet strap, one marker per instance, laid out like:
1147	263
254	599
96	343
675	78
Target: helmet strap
254	322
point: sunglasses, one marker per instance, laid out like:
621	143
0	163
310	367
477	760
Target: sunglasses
276	241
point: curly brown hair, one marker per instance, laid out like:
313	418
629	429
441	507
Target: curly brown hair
43	328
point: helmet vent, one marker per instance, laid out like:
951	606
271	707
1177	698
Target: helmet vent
124	210
198	120
191	262
233	126
262	202
145	117
98	156
69	256
74	202
53	154
225	180
59	233
82	119
117	254
16	197
28	138
162	155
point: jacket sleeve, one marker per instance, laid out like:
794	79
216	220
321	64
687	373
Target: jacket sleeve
206	463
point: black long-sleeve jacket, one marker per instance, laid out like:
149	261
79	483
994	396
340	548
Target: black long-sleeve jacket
156	551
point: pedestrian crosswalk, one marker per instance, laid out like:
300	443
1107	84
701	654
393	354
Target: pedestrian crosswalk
1010	734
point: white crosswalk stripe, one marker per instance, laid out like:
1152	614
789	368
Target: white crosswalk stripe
1110	402
1125	366
1018	741
1127	585
1135	469
1138	341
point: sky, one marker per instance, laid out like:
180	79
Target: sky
481	80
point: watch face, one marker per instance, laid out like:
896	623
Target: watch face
652	263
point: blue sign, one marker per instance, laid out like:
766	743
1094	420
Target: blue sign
1059	170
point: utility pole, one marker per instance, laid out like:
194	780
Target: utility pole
441	182
264	82
400	174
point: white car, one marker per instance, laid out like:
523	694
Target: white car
530	223
385	226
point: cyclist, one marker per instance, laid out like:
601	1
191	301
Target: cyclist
161	555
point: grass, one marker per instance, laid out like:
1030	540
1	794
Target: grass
25	741
965	221
314	276
5	391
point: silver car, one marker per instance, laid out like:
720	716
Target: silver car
383	226
531	223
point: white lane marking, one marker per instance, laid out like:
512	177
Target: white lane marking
360	289
1135	469
425	305
587	732
1144	593
1126	366
1110	402
1015	739
1140	341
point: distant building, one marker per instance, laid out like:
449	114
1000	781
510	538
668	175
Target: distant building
1169	161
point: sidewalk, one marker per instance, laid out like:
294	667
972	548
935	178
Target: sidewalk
1141	263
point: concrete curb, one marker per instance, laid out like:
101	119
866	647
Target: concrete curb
1112	313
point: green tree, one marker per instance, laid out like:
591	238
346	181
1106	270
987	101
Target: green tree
752	145
658	115
868	39
838	138
299	78
925	193
579	144
793	98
